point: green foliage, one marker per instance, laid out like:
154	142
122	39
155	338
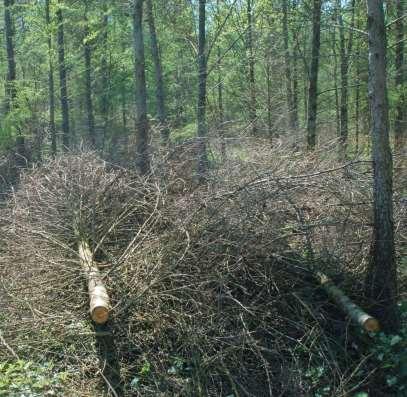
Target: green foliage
183	134
28	379
142	376
390	354
315	376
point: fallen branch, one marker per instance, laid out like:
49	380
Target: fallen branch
98	298
357	315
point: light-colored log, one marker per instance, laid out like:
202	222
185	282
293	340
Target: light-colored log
357	315
98	298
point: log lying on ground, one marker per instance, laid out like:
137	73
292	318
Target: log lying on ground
360	317
98	297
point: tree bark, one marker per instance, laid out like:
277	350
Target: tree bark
87	52
313	83
99	305
160	91
345	51
382	274
357	315
142	135
105	102
252	81
63	80
11	90
287	68
201	110
221	115
269	103
295	88
335	76
400	122
51	89
357	102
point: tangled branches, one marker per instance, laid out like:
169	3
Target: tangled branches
211	288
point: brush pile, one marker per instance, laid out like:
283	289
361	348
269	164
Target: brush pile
212	289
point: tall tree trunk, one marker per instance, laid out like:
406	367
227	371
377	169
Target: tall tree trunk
382	277
11	90
124	110
357	101
400	122
87	52
142	151
105	103
51	90
252	81
345	51
344	85
202	77
268	77
221	115
295	88
336	93
287	68
160	91
313	83
63	80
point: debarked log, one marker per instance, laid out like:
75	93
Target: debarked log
357	315
99	305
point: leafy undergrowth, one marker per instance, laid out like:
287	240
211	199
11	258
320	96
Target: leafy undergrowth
25	378
211	287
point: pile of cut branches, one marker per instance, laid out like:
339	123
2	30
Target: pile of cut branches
212	289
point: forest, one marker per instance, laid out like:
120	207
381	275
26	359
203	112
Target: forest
203	198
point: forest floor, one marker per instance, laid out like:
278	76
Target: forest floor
211	286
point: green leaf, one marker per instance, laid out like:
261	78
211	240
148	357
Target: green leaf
395	339
135	383
392	380
361	394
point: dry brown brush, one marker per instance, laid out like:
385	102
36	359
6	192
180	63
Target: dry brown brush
211	287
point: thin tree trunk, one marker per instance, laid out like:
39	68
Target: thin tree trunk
287	68
269	115
202	77
357	315
51	90
357	102
124	110
400	122
345	54
63	81
142	151
305	83
105	75
313	83
295	88
382	275
252	81
335	67
160	91
221	116
11	90
87	52
220	93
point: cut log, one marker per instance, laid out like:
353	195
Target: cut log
98	298
357	315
